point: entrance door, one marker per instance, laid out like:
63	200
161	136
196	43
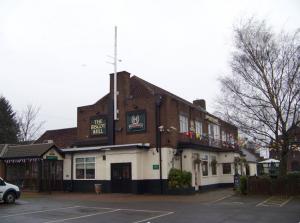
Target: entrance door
121	177
52	175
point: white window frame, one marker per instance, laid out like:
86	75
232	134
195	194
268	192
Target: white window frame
204	159
184	123
214	131
85	167
230	169
198	127
214	157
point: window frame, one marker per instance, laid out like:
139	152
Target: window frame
216	167
223	168
183	123
85	163
198	127
204	162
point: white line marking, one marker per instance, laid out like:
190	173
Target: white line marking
287	201
127	209
221	199
83	216
263	202
35	212
155	217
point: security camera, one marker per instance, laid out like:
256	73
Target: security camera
173	128
161	128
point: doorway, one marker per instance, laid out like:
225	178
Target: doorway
121	178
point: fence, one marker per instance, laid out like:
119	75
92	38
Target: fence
289	185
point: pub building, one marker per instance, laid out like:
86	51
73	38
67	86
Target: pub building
155	131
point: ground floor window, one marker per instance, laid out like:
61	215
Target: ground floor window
85	168
226	168
204	165
213	165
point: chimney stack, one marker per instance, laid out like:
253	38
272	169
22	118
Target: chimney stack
200	103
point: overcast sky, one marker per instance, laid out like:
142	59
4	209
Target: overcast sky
53	53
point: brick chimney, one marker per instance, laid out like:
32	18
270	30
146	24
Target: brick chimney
200	103
123	84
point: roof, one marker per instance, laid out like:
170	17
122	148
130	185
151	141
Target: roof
154	90
61	137
24	151
104	148
3	148
250	157
157	90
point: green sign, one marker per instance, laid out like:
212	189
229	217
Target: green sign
51	157
98	126
155	167
136	121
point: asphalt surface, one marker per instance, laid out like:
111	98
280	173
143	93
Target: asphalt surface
215	206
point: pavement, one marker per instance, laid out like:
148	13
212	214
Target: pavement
221	205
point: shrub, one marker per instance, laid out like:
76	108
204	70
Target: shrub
243	184
179	179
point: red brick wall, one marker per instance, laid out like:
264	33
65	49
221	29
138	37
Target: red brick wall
135	96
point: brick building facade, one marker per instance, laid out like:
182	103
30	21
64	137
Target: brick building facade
293	161
155	131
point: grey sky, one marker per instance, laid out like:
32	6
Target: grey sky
53	53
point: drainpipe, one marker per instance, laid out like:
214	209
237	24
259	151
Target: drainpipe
72	169
158	138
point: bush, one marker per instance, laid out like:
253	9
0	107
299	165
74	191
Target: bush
179	179
243	184
293	174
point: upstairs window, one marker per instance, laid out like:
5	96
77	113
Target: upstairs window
198	127
214	131
224	138
184	123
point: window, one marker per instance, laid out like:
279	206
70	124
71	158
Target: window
204	165
213	165
198	127
184	123
214	131
226	168
224	139
85	168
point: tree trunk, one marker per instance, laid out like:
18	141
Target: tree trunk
283	159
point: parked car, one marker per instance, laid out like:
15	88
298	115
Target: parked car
9	192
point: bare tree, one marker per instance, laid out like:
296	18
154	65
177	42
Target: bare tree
30	127
262	95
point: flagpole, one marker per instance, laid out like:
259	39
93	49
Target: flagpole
115	78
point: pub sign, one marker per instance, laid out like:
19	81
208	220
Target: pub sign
98	126
136	121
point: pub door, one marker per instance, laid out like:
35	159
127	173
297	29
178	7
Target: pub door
52	179
121	178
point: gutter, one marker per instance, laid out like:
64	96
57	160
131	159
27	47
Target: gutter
104	148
